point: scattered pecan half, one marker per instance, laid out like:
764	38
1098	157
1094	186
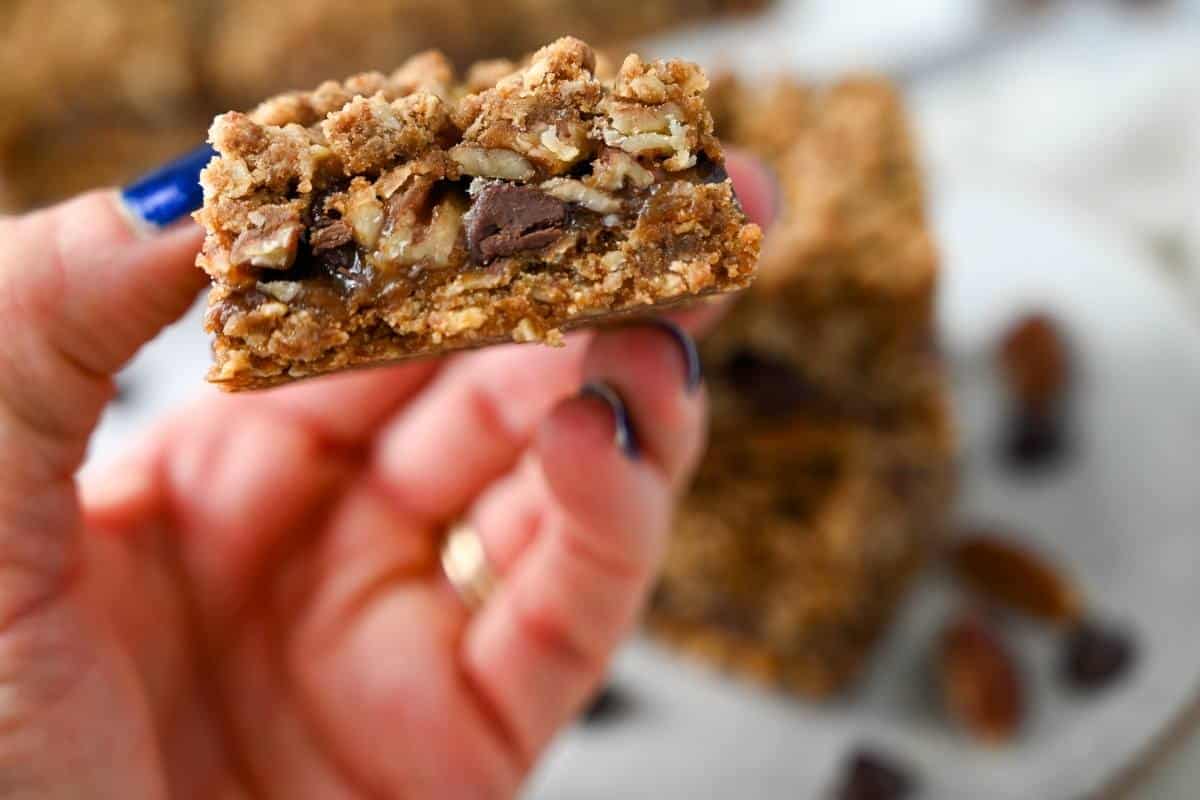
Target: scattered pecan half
1012	576
979	680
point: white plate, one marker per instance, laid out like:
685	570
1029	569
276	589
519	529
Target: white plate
1123	515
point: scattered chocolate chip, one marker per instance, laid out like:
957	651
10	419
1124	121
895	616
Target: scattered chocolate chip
869	775
980	683
772	387
1003	572
1036	363
1035	440
507	218
608	704
1096	655
709	171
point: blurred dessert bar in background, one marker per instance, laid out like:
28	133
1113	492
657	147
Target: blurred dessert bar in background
255	50
95	91
830	467
98	91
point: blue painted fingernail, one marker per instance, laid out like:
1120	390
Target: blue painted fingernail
693	371
169	193
624	435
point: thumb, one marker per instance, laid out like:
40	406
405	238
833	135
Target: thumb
81	289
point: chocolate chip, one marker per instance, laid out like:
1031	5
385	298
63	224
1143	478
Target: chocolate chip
1096	655
870	775
608	704
709	171
1035	439
507	218
772	387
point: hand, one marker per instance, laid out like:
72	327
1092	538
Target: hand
250	604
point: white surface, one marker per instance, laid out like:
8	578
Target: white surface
828	37
1122	515
1099	104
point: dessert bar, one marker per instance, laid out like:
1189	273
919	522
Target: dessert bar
848	276
799	538
94	92
396	216
830	466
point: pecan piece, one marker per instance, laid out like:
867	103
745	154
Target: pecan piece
1035	362
491	163
579	193
1014	577
330	236
980	683
272	243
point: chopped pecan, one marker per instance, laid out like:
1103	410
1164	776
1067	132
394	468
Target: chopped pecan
408	239
572	191
492	163
327	237
642	131
613	168
272	242
364	214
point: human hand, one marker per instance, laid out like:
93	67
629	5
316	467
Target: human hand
250	603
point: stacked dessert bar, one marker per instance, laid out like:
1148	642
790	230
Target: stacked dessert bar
830	464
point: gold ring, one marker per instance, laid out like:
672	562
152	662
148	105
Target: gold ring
466	566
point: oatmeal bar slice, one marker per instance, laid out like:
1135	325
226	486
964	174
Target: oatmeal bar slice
396	216
830	469
848	277
798	541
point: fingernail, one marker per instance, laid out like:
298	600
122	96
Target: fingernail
693	370
170	192
624	435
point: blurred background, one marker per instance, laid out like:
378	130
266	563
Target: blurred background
1061	140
